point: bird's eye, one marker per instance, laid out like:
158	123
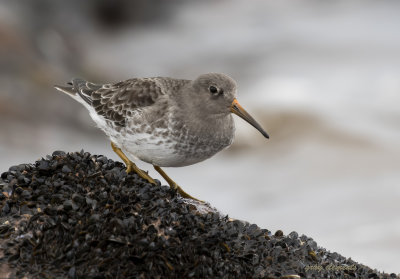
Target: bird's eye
213	89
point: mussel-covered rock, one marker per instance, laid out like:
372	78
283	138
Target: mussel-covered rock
76	215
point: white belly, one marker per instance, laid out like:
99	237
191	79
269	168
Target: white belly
155	150
160	150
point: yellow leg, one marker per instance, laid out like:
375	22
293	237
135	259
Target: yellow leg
174	185
130	166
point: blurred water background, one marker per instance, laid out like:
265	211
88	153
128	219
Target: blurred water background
322	77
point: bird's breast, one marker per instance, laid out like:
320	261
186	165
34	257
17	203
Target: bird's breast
177	145
203	139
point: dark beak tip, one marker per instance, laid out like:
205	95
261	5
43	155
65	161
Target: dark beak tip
242	113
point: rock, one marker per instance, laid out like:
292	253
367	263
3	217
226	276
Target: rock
99	222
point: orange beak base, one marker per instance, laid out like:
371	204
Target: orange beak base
237	109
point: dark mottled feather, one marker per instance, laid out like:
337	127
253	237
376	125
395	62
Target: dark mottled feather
116	101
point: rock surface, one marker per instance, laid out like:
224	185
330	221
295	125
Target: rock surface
79	215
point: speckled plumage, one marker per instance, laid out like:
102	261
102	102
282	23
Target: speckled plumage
163	121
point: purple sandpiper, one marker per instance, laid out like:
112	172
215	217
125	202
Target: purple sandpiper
164	121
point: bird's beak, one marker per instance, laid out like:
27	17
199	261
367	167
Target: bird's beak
237	109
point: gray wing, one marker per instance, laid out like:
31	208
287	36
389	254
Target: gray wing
116	101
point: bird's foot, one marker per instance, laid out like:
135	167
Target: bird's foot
132	167
174	185
183	193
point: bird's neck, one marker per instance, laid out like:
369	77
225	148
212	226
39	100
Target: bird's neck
217	125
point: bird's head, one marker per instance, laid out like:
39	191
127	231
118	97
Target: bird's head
217	95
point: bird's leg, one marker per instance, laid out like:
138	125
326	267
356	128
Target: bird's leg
174	185
130	166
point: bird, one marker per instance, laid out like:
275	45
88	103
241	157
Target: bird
163	121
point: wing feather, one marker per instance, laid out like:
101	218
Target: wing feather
116	101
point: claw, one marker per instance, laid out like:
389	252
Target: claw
129	168
132	167
183	193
